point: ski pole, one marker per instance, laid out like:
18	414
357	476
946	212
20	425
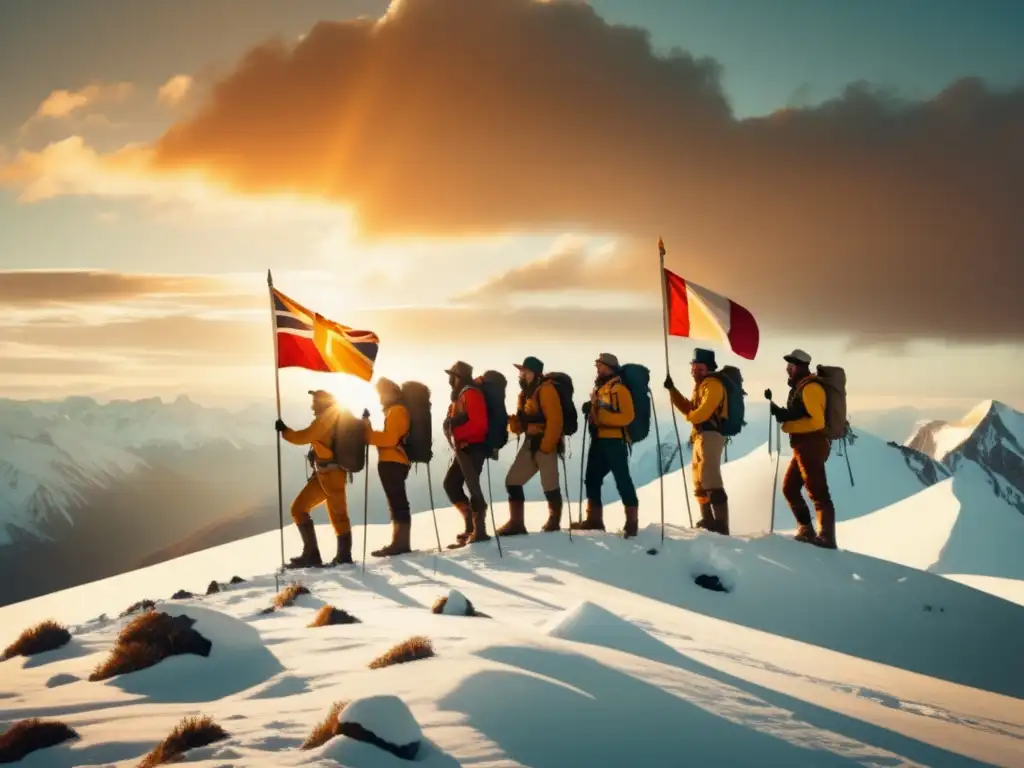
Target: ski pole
366	502
568	501
849	469
775	480
490	495
682	466
583	453
661	466
433	510
768	397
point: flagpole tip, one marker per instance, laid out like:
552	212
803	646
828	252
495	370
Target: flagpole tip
270	280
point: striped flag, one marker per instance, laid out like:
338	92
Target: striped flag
696	312
308	340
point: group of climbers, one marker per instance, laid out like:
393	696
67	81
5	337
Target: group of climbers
540	421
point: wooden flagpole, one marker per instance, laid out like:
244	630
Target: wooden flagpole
277	391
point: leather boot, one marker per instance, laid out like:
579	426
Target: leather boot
826	538
721	511
632	523
479	527
516	525
806	534
707	518
467	518
310	557
805	530
594	521
400	534
554	521
344	556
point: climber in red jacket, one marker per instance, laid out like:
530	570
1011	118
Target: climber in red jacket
466	430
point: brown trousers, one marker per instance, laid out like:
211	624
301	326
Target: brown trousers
707	464
329	486
528	463
807	470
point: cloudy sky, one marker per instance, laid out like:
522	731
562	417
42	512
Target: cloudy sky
487	179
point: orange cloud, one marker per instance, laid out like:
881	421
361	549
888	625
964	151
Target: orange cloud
862	215
175	90
62	103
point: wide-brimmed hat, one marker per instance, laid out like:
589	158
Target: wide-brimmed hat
705	357
461	370
798	357
531	364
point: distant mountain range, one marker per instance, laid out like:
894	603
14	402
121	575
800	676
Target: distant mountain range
89	490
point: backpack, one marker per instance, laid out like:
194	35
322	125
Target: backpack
418	444
833	380
563	386
348	444
492	384
732	380
637	379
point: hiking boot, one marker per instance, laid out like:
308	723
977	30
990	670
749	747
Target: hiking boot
554	521
632	523
721	512
805	533
344	556
479	528
516	525
400	533
707	518
594	521
310	557
826	538
467	518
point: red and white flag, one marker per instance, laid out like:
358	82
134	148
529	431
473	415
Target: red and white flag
696	312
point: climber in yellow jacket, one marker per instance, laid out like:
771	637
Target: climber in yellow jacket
328	484
609	412
539	418
705	412
393	465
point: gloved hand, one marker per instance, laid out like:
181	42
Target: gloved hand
767	394
668	383
280	426
366	414
586	408
777	411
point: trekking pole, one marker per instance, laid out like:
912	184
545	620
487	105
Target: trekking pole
490	496
849	469
433	511
568	501
682	466
366	502
661	466
775	480
583	453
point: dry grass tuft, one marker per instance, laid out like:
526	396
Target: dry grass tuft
190	733
237	580
441	602
413	649
329	616
182	594
27	736
142	605
287	596
327	729
43	637
213	588
149	639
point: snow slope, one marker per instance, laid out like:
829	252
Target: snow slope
596	653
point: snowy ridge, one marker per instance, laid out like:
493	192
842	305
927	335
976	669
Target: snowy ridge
52	454
989	437
595	653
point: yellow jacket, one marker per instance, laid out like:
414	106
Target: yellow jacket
543	402
709	402
813	399
613	411
319	434
389	441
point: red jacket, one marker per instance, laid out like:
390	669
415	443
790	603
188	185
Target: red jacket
471	402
